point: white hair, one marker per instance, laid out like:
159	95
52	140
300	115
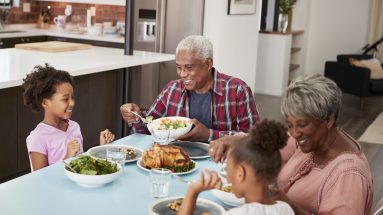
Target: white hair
200	45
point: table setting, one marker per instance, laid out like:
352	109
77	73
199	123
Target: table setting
51	189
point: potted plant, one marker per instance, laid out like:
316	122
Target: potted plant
285	14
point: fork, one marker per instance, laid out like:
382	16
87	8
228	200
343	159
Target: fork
179	178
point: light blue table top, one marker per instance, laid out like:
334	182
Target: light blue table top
49	190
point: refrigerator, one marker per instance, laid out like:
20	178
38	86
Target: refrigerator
159	25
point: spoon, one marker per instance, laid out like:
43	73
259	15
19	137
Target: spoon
144	120
69	167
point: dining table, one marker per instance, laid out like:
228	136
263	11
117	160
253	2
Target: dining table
50	191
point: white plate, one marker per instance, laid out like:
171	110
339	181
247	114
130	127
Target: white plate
228	198
203	205
99	152
196	150
139	164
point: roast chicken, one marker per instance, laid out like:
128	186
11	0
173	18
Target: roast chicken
165	156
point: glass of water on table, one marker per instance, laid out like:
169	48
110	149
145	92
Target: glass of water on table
223	171
117	155
159	182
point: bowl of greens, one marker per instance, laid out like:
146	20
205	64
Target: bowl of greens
89	172
169	128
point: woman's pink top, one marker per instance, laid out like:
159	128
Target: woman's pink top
342	186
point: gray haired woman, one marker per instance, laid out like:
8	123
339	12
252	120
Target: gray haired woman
325	170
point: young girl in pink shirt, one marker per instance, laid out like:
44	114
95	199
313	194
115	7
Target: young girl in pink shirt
252	164
57	137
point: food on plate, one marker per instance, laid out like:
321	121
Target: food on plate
170	157
130	153
175	205
89	166
170	124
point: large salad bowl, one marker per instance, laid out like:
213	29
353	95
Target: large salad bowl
167	129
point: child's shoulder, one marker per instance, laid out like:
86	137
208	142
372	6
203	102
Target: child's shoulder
257	208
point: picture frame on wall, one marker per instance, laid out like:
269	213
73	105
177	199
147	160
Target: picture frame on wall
239	7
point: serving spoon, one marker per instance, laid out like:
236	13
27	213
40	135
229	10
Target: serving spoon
69	167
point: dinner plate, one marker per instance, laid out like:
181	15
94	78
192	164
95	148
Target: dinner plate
139	164
203	205
99	152
196	150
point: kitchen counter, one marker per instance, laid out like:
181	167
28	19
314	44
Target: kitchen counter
29	30
101	86
16	63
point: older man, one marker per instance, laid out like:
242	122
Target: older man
214	101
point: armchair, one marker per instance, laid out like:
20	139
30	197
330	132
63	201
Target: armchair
353	79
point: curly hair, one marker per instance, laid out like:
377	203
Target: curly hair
261	149
41	84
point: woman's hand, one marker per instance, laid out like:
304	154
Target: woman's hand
73	147
126	110
219	148
106	137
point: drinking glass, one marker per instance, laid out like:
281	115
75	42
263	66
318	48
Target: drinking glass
223	171
159	180
116	154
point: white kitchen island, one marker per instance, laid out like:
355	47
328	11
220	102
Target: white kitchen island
101	86
16	63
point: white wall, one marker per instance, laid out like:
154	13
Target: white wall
235	39
335	27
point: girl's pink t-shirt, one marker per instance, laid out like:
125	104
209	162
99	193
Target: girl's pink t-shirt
52	142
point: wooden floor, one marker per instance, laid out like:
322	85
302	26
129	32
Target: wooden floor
353	121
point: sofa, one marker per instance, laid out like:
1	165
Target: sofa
352	79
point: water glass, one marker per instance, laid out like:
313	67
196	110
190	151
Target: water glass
116	154
159	180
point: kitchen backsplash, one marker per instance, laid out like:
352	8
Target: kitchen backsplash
104	13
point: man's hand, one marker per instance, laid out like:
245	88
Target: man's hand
126	112
199	132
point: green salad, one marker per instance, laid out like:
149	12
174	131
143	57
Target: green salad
177	169
89	166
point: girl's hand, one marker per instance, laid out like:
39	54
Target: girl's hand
208	180
106	137
73	147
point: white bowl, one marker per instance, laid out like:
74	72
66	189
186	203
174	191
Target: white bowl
228	198
168	134
93	180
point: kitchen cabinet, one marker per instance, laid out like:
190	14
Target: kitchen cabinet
92	42
8	126
10	42
97	107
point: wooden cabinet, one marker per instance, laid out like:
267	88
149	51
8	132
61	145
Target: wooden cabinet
8	128
10	42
